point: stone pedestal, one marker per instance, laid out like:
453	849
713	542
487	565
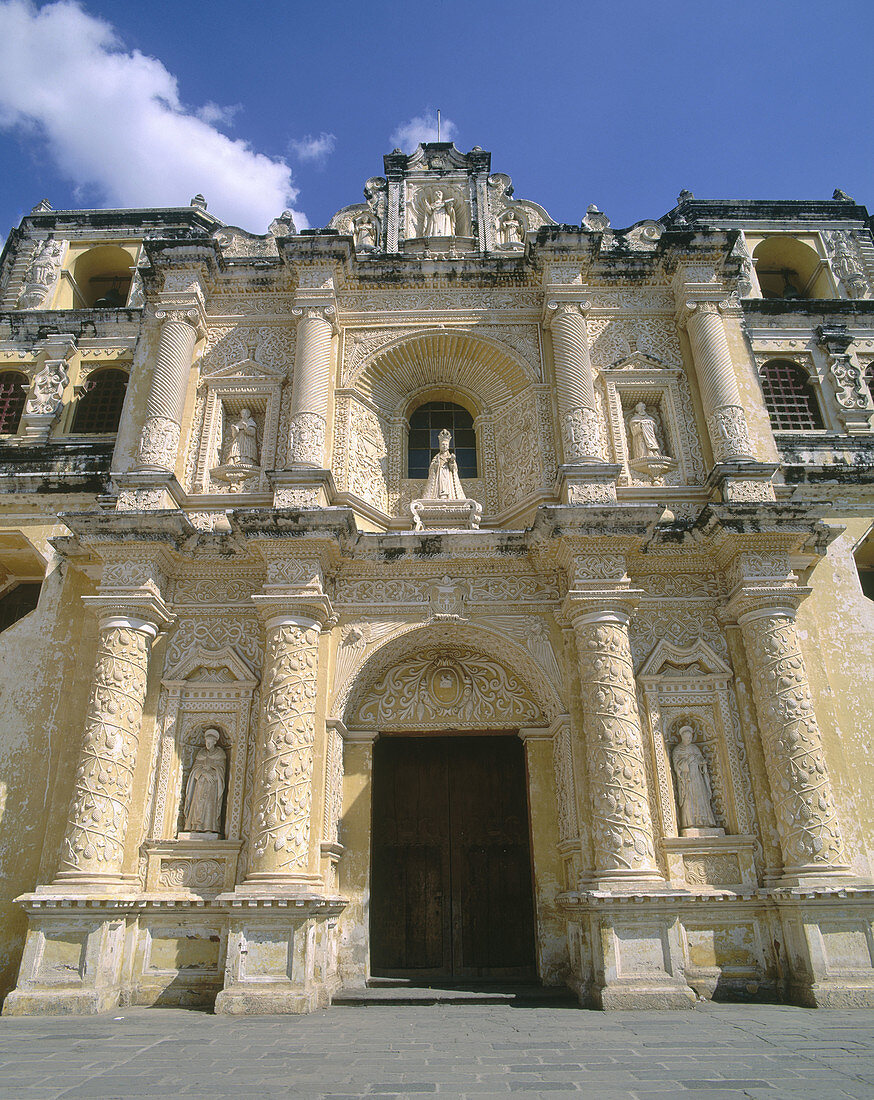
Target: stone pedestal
446	514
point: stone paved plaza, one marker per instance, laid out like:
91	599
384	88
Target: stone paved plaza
715	1052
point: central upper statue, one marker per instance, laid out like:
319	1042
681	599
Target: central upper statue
444	502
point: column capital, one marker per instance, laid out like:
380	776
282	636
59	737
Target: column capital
188	312
305	308
556	308
590	608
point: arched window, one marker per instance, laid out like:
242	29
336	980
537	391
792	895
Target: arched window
791	402
99	407
13	394
789	269
103	277
426	423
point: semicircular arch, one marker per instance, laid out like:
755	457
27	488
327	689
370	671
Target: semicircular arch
441	359
490	682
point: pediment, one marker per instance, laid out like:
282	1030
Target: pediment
669	661
247	368
225	665
641	360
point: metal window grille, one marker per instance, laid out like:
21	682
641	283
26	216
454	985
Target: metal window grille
13	394
791	402
426	423
99	407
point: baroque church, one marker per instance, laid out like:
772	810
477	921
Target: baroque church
447	594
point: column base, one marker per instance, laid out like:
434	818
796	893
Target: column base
67	1002
587	483
270	999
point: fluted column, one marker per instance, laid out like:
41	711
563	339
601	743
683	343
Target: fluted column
574	386
283	790
726	420
93	850
311	385
159	442
801	791
622	831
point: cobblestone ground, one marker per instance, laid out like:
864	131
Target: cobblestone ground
715	1052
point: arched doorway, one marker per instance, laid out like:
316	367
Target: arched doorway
458	803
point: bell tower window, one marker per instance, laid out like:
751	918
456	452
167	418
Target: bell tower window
13	394
426	423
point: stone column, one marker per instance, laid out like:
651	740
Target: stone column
622	831
801	792
574	386
93	851
311	385
283	788
159	442
726	420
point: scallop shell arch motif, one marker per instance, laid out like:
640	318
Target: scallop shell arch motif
447	691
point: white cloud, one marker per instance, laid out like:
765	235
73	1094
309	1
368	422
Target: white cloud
114	124
315	149
423	128
213	113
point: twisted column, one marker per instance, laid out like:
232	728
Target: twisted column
159	442
622	831
93	850
801	791
311	385
574	385
282	806
726	420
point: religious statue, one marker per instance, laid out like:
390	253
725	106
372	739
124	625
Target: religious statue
644	442
443	481
511	229
694	792
243	445
205	787
444	500
439	215
365	233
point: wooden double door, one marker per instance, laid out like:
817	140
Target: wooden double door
451	877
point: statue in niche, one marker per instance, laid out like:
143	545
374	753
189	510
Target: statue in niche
694	793
443	480
511	229
242	441
646	455
205	788
444	502
644	441
365	233
440	215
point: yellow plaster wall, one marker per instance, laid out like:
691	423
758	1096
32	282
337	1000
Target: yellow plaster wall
836	629
45	675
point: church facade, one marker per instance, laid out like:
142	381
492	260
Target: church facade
447	594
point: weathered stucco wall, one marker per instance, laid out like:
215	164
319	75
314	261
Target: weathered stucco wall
45	666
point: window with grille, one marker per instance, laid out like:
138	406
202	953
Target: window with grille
13	394
791	402
99	407
869	378
426	423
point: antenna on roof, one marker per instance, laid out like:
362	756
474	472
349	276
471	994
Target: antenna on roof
438	123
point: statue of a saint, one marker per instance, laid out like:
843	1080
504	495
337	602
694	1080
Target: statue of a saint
205	787
365	233
644	442
439	215
443	481
243	445
694	792
511	229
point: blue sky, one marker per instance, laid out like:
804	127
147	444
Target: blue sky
268	105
